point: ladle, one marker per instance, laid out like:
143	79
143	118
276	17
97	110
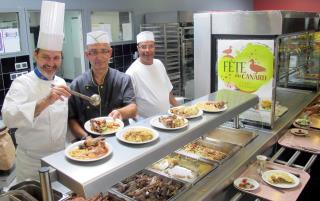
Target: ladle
93	100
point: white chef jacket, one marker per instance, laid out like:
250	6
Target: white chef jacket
36	136
151	86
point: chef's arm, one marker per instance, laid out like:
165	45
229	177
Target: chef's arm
76	129
172	100
126	112
57	92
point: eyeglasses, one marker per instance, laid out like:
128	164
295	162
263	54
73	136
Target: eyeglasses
94	52
144	47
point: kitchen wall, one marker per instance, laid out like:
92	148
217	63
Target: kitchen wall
297	5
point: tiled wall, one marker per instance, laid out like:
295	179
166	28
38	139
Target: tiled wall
123	56
8	72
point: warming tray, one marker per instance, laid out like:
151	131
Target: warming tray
145	185
182	167
233	136
16	195
32	187
213	147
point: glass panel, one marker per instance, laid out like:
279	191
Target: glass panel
9	33
298	61
118	24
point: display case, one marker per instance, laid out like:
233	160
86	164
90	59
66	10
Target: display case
298	60
90	178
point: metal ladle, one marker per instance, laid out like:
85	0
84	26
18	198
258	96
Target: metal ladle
94	100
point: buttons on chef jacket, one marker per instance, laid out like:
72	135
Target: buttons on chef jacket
87	87
88	107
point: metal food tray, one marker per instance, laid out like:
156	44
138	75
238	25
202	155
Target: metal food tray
16	195
185	186
233	136
227	148
114	196
213	165
32	187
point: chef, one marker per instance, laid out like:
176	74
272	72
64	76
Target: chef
36	103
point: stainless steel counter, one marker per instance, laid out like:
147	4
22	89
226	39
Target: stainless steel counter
89	178
216	182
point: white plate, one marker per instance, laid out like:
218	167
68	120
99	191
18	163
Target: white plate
87	126
125	130
188	117
76	144
298	125
215	110
267	174
156	123
299	131
253	182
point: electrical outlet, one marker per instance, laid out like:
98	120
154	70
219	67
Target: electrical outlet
21	65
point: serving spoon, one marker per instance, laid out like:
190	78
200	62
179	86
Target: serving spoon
94	100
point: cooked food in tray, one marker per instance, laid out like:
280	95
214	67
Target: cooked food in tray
182	167
101	125
99	197
212	106
138	135
185	111
149	186
172	121
204	151
91	148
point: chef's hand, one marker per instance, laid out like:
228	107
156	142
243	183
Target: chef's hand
115	114
56	93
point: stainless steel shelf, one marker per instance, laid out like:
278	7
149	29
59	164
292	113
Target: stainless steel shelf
87	179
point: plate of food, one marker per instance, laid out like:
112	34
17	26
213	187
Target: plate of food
280	179
212	106
169	122
246	183
188	112
299	132
90	149
103	125
302	123
137	135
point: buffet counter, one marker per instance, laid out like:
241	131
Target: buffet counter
214	184
88	179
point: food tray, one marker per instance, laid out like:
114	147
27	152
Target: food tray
32	187
16	195
166	165
233	136
183	186
227	148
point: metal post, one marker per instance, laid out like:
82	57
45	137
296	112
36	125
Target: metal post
45	184
236	121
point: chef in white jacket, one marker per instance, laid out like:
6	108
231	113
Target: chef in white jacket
36	103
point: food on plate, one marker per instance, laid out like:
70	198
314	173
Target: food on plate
303	122
151	187
91	148
298	131
211	105
245	184
138	135
101	125
266	104
172	121
280	178
204	151
185	111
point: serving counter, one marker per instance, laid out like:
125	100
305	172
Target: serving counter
89	178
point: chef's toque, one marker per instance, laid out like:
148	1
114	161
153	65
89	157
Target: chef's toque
145	36
51	26
97	37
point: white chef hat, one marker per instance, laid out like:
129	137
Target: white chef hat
51	26
97	37
145	36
